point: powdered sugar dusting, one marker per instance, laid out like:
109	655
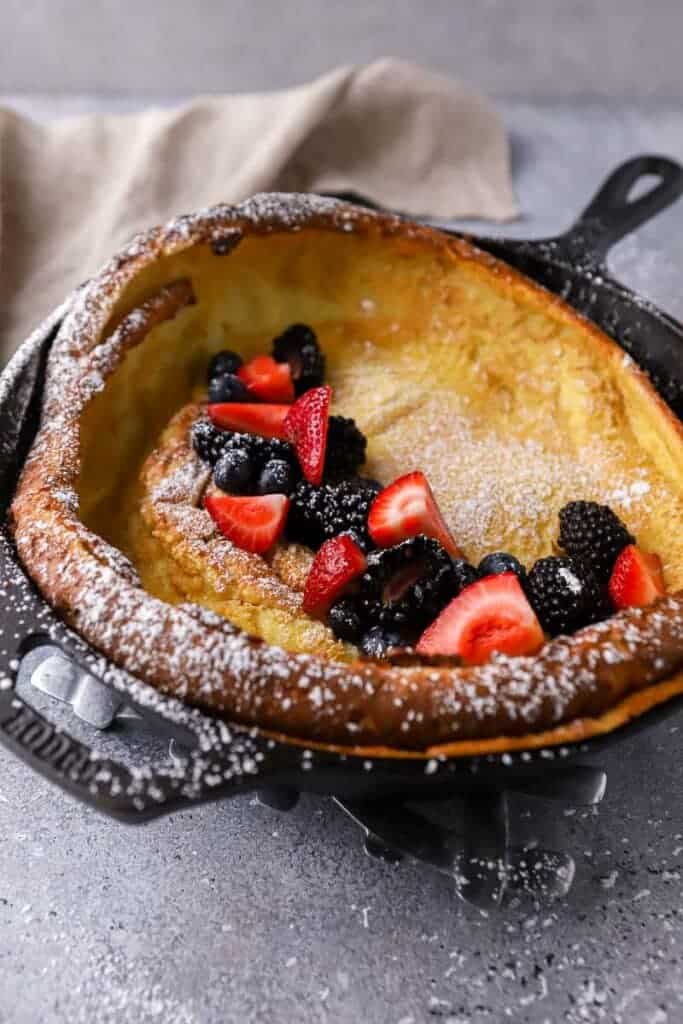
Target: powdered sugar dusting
490	486
572	581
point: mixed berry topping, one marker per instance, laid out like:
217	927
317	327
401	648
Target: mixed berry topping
246	463
402	589
464	574
389	574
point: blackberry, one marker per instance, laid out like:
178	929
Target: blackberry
318	513
277	477
345	621
499	562
298	346
594	534
346	447
406	586
234	471
224	362
227	388
564	594
378	643
208	441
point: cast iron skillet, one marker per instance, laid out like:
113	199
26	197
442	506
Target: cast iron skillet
222	759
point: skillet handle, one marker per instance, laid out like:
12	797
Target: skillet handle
114	789
131	795
611	215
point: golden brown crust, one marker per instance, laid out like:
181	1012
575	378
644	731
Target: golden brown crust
575	687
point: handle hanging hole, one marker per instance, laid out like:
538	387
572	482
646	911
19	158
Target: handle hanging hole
646	183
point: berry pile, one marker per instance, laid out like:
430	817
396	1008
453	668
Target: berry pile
415	589
388	573
261	439
509	610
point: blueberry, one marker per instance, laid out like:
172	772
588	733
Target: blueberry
224	362
233	471
276	477
499	562
227	388
377	642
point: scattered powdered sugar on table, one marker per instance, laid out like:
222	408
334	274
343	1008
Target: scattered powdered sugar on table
116	990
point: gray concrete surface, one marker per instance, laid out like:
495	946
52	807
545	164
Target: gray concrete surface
529	48
235	913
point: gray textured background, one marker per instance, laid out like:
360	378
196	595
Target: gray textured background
234	913
531	48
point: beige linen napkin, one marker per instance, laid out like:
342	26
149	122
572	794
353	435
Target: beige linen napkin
73	190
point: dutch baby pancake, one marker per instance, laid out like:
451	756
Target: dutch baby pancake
348	479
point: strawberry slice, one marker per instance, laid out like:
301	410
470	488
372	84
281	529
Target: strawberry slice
337	563
490	615
268	380
253	524
306	427
248	418
636	578
404	509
